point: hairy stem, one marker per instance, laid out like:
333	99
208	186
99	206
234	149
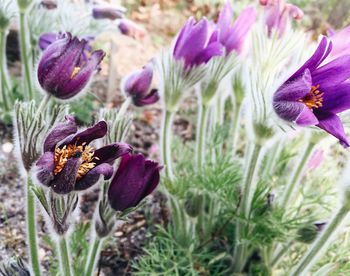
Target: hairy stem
31	229
248	191
64	256
201	135
93	254
166	136
322	242
24	55
235	128
296	176
3	81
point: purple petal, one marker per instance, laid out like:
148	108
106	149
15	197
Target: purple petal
127	186
333	73
76	83
45	167
107	12
60	132
182	36
332	124
316	59
97	131
224	21
139	82
47	39
213	49
64	181
240	30
93	176
306	118
341	42
288	111
111	152
151	177
151	98
336	99
295	89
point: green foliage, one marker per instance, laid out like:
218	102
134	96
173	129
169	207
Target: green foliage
84	109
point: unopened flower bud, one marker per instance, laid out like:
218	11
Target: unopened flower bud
308	233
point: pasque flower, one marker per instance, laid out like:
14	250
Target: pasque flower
135	179
232	36
130	28
316	93
278	13
108	12
70	163
193	45
65	69
138	84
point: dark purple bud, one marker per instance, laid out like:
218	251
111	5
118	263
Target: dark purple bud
49	4
70	163
135	179
64	69
108	12
137	85
130	28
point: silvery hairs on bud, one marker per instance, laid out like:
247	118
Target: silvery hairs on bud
118	126
175	79
14	266
30	129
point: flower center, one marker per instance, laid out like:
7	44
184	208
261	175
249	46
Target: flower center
314	98
75	72
87	155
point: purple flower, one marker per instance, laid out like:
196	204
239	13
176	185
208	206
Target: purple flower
65	69
108	12
138	84
47	39
130	28
70	163
277	14
49	4
193	45
233	36
316	93
135	179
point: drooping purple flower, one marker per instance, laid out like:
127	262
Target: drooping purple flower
278	14
108	12
233	36
193	45
65	69
70	163
135	179
137	86
130	28
316	93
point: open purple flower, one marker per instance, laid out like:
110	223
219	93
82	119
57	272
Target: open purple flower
135	179
233	36
138	84
65	69
108	12
316	93
278	13
70	163
193	45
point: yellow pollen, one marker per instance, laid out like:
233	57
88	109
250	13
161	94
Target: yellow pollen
75	72
87	156
314	98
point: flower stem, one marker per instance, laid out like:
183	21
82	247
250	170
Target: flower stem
296	177
166	142
280	253
235	128
3	80
123	108
64	256
248	191
201	135
31	229
322	242
24	55
94	252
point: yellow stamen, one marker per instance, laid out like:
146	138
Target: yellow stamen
75	72
87	156
314	98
